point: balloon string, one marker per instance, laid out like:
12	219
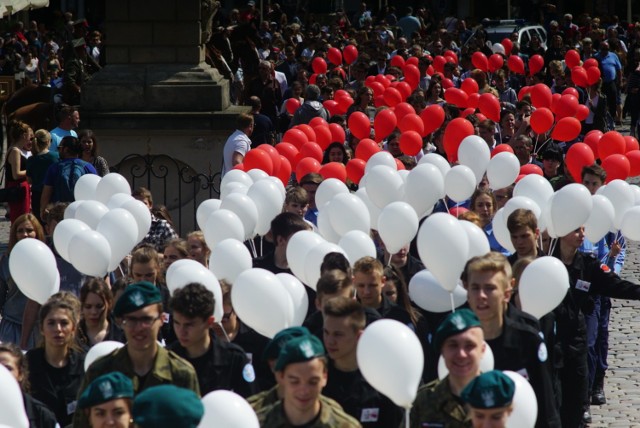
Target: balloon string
253	248
261	239
552	246
226	336
406	417
444	201
453	305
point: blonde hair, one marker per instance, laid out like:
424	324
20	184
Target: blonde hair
43	139
490	262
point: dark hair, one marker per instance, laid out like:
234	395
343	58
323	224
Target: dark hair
335	260
21	362
244	120
72	144
64	112
286	224
394	275
596	170
480	192
97	286
343	307
333	281
87	133
143	193
345	156
193	300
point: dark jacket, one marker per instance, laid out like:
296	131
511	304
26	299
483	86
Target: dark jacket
308	111
39	415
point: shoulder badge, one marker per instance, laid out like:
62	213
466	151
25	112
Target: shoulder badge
542	352
605	268
248	373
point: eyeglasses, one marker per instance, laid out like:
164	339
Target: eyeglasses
145	322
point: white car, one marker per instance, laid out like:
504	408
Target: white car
502	29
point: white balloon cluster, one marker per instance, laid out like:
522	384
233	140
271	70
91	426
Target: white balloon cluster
102	226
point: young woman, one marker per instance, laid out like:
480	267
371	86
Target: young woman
483	203
507	129
90	152
37	166
434	93
198	249
176	249
107	401
336	152
96	324
57	366
20	139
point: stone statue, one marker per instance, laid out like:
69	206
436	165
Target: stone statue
208	9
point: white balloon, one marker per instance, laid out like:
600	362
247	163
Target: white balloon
328	189
298	247
314	260
229	258
33	268
423	188
404	174
543	285
205	209
384	185
111	184
525	404
233	187
374	211
142	215
443	247
521	202
438	161
90	212
503	169
545	222
70	211
388	343
99	350
397	226
281	189
486	363
257	174
460	183
498	48
325	227
474	152
347	212
191	271
630	225
227	409
223	224
64	231
85	187
266	196
12	411
121	230
478	241
235	175
357	244
381	158
570	208
501	232
600	221
534	187
621	196
117	200
90	253
262	302
426	292
636	193
298	296
245	209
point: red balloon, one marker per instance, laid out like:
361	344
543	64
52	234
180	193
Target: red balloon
472	101
405	89
411	75
319	65
384	123
481	117
531	168
323	136
571	91
312	150
611	143
501	148
411	122
308	130
359	125
284	172
593	75
412	60
567	129
567	106
508	45
591	62
541	120
258	159
469	85
634	161
582	112
579	77
239	167
555	98
350	54
335	56
410	143
367	148
317	121
451	57
457	211
479	60
456	96
541	96
617	166
288	150
516	64
397	61
466	112
334	170
489	105
456	131
591	139
331	106
399	165
403	109
524	91
536	63
343	104
377	87
292	105
631	143
312	78
578	156
432	118
307	166
447	83
496	61
438	63
572	58
296	137
275	156
355	170
340	93
337	133
392	97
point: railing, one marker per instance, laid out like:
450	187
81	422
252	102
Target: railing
172	183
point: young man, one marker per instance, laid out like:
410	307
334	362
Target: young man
344	322
516	343
490	398
301	372
283	226
369	279
218	364
69	119
238	143
310	183
461	341
139	309
524	232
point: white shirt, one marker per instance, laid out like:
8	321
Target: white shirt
237	142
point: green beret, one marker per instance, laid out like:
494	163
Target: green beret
299	349
457	322
272	350
106	388
137	296
167	406
490	390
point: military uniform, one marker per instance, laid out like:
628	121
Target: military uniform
436	406
329	417
264	399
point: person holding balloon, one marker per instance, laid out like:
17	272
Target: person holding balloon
483	203
107	401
